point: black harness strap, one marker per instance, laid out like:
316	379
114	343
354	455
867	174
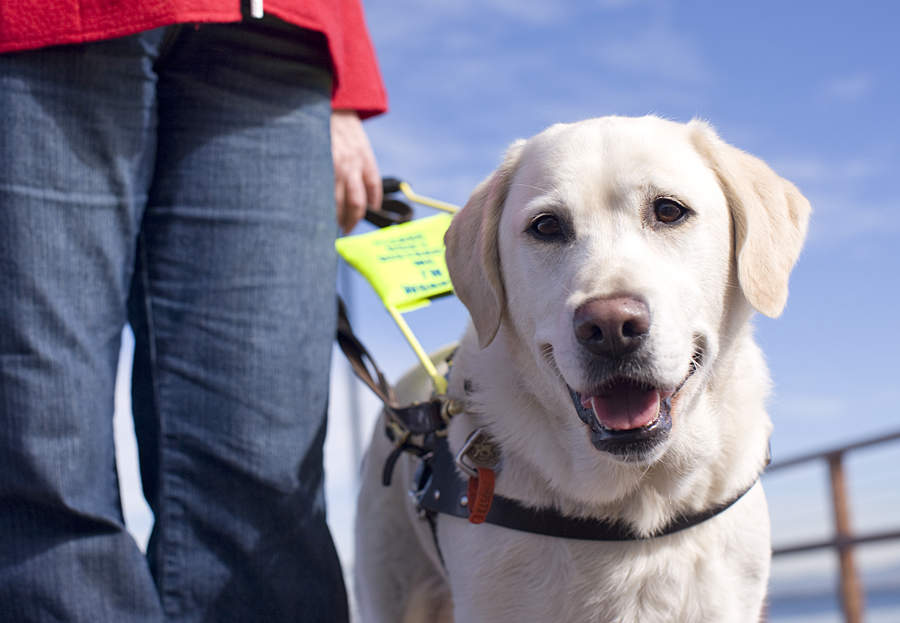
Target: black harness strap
444	492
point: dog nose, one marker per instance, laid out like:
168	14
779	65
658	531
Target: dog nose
612	326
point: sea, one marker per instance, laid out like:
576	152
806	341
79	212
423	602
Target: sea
880	607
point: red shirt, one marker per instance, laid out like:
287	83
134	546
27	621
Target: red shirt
30	24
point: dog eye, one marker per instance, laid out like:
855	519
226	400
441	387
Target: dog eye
545	227
669	211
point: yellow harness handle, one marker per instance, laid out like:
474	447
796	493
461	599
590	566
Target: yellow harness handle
407	190
405	265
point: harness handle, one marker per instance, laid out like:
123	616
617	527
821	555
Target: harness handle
392	212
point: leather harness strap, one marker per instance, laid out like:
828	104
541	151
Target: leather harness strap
443	491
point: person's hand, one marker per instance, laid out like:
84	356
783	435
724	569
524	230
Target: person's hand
357	181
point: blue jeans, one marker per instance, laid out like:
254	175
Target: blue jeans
180	179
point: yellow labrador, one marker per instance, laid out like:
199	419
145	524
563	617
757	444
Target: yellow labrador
610	268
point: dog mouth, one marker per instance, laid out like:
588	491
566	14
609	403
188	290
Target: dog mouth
628	417
625	417
624	405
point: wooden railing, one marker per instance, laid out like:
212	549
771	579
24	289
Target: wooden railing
844	540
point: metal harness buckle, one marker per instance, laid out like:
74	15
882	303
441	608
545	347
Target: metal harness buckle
478	451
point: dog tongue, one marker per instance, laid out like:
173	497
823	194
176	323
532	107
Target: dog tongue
624	405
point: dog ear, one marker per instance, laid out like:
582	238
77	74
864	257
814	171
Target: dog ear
770	219
473	253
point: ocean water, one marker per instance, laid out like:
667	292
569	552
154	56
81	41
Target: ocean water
881	607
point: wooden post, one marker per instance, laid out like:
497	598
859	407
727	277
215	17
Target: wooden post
851	595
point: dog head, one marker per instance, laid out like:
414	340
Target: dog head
623	254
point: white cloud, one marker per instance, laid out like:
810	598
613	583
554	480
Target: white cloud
810	406
839	191
817	170
842	217
658	52
532	11
801	169
851	88
433	18
613	5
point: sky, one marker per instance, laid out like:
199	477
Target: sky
809	87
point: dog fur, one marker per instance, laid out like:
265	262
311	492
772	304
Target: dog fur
699	278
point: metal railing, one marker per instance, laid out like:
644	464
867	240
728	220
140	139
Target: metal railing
844	540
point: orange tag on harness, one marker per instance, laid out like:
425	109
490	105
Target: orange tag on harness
481	494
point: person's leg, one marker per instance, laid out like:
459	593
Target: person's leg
77	135
233	307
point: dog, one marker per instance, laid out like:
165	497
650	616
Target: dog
611	268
